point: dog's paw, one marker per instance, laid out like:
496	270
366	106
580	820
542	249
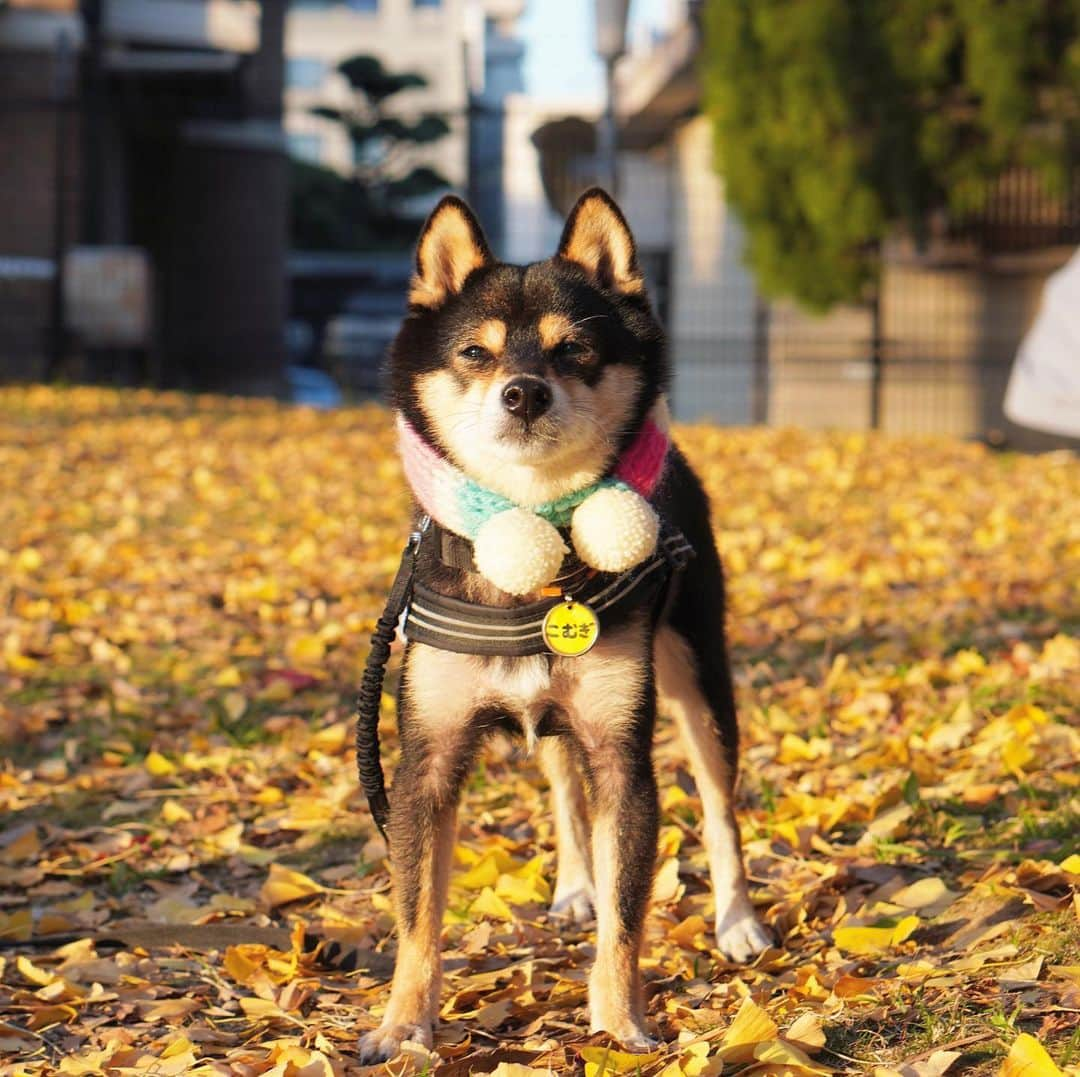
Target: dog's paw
632	1037
638	1042
575	906
384	1042
740	937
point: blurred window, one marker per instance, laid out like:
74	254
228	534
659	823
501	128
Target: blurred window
363	5
427	3
305	72
306	146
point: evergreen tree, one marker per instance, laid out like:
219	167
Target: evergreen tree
837	121
370	206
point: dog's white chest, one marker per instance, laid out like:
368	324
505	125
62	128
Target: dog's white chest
446	688
524	680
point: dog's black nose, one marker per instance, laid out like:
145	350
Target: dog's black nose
527	397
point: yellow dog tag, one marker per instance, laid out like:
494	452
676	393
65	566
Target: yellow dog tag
571	628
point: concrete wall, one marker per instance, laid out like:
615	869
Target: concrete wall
819	374
532	228
712	305
950	334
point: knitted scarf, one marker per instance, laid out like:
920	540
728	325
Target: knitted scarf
463	506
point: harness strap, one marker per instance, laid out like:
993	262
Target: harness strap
369	697
451	624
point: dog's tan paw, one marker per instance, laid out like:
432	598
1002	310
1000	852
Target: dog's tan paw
740	937
384	1042
576	905
631	1036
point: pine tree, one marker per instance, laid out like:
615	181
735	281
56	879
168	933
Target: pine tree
370	206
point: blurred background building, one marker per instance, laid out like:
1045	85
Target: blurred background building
222	194
144	186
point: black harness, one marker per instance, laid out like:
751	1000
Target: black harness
472	628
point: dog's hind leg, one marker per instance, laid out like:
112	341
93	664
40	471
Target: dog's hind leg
422	829
574	898
696	693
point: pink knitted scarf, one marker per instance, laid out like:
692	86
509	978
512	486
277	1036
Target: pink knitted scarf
461	505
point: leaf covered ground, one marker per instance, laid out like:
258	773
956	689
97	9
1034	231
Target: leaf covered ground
186	593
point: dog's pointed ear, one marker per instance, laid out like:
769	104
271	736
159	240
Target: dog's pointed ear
598	239
452	246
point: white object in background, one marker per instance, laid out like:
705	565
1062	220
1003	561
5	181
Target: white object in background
107	295
1044	388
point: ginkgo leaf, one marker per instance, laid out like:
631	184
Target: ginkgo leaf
284	885
158	765
520	890
600	1060
930	896
688	933
1028	1058
174	812
752	1026
807	1032
775	1056
29	971
306	650
490	904
875	939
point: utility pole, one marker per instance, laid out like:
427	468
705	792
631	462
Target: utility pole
610	45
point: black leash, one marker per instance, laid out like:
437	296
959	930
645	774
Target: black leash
369	697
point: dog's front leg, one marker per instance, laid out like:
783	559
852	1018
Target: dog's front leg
625	826
574	896
422	829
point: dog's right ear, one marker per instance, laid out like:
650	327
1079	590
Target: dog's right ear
451	247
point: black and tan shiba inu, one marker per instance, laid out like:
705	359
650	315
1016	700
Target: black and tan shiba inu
530	383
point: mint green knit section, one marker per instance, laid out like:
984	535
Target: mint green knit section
478	504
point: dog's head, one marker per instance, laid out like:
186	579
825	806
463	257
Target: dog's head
531	379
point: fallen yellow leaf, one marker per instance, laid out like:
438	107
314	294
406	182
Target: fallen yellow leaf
158	765
306	650
490	904
284	885
1028	1058
874	939
600	1060
752	1025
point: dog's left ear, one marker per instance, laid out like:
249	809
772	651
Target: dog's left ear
598	239
452	246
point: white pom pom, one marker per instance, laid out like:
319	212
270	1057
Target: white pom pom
518	551
614	529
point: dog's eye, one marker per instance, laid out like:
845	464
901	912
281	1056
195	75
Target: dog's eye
474	351
568	349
